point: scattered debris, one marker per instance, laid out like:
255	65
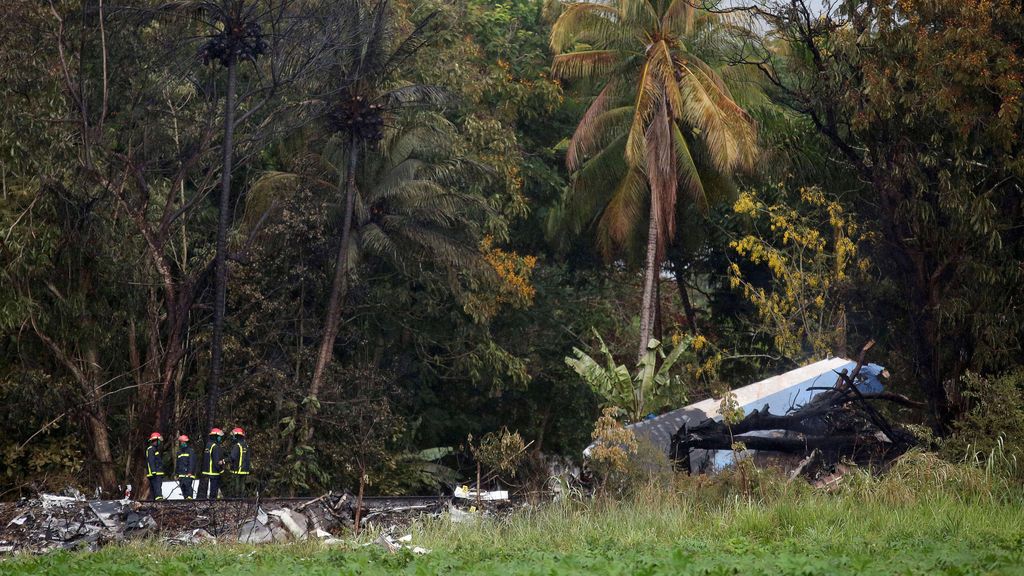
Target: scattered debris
467	494
294	522
393	545
463	516
53	522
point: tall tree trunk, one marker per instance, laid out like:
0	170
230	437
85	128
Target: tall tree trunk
663	183
659	320
221	274
97	418
684	296
88	376
339	286
650	276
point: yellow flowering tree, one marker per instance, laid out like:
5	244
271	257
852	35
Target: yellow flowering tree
513	287
808	243
613	445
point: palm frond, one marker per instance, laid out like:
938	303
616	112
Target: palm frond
375	241
623	213
689	175
586	135
583	18
640	14
648	96
417	95
679	17
584	65
725	127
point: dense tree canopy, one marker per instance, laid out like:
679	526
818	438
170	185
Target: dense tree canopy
367	228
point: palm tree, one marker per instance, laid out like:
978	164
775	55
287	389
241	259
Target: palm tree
237	38
367	97
664	119
408	208
402	204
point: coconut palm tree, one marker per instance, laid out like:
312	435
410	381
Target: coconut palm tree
402	202
358	111
408	207
664	120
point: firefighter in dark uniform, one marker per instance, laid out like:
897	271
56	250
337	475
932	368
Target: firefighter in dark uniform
238	463
209	485
154	466
185	467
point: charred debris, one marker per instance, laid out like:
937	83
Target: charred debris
839	424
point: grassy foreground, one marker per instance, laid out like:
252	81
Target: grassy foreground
919	520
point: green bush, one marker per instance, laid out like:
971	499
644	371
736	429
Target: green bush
991	430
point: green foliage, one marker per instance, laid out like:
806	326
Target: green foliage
417	473
500	451
808	243
992	428
901	146
695	527
651	388
922	101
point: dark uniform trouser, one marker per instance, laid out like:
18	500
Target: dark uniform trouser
155	484
185	482
209	485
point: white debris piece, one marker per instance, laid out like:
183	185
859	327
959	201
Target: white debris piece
394	545
294	522
466	493
51	501
20	520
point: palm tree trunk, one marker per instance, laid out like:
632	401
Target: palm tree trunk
221	273
650	276
339	286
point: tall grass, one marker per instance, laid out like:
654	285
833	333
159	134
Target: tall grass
921	498
924	516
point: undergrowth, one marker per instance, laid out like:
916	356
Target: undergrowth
924	516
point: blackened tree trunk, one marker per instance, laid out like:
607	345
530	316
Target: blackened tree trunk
339	286
684	297
221	272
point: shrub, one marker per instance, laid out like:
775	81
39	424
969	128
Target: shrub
991	430
613	446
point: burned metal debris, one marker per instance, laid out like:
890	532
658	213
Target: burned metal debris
840	422
52	522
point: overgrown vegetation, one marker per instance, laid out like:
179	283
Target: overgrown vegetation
928	516
366	229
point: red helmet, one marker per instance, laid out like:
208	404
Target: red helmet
238	432
216	432
155	436
183	438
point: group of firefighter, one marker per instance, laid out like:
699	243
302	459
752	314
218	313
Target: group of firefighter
213	464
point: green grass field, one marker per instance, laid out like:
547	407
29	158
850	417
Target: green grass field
921	519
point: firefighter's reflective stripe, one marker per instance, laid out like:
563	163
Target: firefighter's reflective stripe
184	465
238	458
153	464
211	467
241	458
